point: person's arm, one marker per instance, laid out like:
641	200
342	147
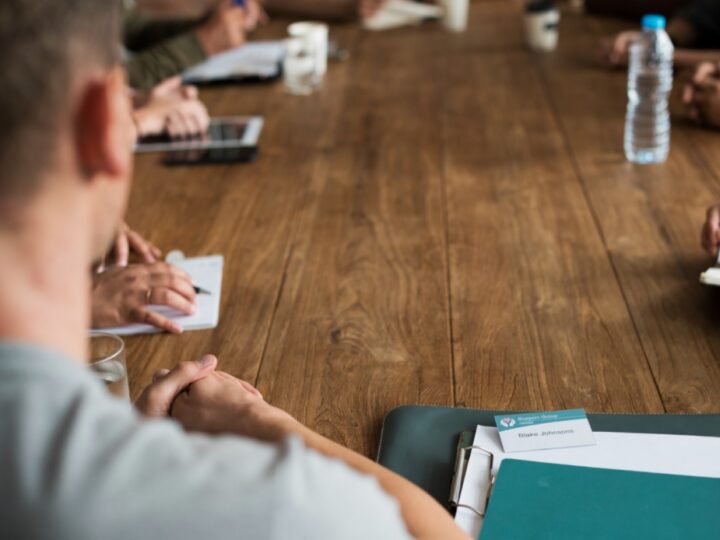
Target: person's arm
683	32
220	403
150	67
141	31
314	9
693	57
423	516
222	30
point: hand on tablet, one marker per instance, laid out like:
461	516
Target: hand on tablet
121	295
171	108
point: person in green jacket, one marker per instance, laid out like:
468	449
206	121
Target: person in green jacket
162	48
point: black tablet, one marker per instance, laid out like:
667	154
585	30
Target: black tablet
229	139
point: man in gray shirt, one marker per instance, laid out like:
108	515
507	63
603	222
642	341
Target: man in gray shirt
76	463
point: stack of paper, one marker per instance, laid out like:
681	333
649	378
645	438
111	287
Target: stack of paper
672	454
257	59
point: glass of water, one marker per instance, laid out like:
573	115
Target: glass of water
299	67
107	361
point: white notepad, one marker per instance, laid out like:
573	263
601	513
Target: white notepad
257	59
206	273
689	455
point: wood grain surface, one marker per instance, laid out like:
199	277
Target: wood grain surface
449	220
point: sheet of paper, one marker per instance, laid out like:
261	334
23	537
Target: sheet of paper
397	13
672	454
254	59
206	273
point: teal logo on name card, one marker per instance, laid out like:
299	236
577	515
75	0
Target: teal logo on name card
515	421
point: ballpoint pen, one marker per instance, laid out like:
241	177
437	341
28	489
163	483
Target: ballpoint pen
200	290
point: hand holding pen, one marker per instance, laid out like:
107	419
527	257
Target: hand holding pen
224	29
254	13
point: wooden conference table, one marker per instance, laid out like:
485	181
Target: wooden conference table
450	221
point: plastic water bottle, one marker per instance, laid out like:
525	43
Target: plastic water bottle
650	73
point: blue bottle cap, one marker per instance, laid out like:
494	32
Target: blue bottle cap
653	22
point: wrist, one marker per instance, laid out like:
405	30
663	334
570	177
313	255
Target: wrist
277	423
205	39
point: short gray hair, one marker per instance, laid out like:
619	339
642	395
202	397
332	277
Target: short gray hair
44	45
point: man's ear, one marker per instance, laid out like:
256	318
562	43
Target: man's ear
103	127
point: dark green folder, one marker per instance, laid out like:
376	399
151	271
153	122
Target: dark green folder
419	442
541	501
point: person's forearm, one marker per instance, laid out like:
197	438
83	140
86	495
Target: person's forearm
316	9
423	516
692	57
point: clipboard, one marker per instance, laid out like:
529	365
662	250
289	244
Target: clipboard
420	442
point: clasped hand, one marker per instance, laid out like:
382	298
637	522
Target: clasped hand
206	400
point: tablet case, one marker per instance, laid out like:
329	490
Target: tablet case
419	442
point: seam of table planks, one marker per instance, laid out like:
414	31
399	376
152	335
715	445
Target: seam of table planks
450	220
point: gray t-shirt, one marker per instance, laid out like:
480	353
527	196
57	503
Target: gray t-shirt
77	464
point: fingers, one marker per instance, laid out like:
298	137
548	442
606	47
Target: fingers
122	248
704	71
711	231
166	276
250	388
160	296
177	125
168	86
142	315
189	92
146	250
160	374
156	400
189	119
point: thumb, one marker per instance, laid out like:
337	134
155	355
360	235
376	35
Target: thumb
157	398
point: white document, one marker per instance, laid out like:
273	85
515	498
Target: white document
254	59
397	13
206	273
688	455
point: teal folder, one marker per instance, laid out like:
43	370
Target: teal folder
539	501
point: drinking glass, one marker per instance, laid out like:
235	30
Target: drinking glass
107	361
